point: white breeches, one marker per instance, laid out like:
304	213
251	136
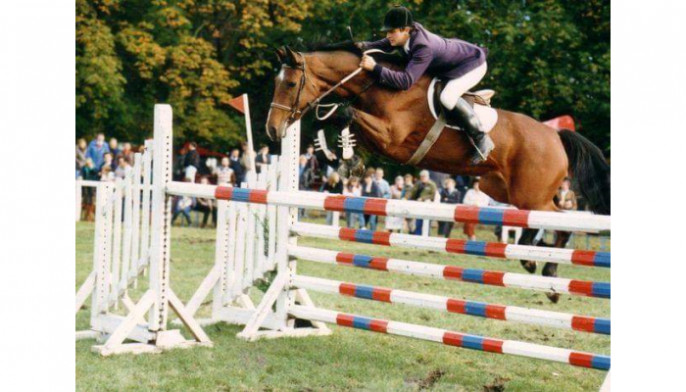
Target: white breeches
456	87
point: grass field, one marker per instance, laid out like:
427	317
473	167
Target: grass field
351	359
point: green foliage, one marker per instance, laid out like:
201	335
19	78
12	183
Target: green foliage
546	58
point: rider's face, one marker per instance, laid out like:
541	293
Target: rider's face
398	36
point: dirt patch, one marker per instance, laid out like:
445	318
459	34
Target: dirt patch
430	379
497	385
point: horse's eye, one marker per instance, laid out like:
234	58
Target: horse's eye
290	84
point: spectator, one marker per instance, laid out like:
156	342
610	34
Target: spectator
107	162
237	167
107	174
305	179
191	162
225	175
306	176
474	197
370	189
461	185
312	162
123	167
97	149
247	160
353	189
263	159
206	206
81	147
114	148
566	198
397	192
183	205
89	173
409	184
333	185
127	152
438	177
382	184
423	190
449	195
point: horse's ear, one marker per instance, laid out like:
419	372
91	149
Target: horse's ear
281	54
291	58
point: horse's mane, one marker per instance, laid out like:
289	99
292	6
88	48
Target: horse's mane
349	46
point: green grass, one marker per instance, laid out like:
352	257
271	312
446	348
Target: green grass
351	359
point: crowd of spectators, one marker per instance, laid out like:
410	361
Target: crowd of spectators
106	161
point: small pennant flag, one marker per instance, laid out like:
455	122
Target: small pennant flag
238	104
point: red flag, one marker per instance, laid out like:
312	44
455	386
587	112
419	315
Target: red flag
237	103
562	122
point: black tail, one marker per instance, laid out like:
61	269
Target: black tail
589	169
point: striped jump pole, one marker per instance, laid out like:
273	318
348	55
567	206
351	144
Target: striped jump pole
401	208
458	339
453	245
450	272
451	305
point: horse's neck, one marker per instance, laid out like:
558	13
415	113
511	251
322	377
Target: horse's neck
378	109
332	67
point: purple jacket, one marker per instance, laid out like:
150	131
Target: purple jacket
447	58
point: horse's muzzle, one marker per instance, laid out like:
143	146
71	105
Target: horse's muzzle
277	133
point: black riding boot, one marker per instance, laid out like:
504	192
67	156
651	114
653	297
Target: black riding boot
463	116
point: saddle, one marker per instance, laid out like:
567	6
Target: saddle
479	97
479	100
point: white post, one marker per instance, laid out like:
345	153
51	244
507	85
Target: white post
287	217
102	252
136	217
161	217
248	131
145	228
78	200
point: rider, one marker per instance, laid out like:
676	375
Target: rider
461	63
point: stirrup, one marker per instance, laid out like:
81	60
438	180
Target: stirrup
478	150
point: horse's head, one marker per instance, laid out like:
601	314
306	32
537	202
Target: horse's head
292	93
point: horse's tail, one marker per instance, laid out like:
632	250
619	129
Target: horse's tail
588	167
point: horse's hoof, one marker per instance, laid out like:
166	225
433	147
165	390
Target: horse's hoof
529	266
553	297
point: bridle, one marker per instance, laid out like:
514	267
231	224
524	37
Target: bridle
293	109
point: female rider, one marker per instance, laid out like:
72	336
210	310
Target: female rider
460	63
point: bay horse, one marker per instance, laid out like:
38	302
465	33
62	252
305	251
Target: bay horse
528	164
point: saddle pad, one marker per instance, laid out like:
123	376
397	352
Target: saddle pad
487	115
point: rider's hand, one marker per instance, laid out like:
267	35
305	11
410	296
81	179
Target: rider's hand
367	63
360	45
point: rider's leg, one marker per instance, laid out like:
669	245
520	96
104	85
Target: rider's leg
459	110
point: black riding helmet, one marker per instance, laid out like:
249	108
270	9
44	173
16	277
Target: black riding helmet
397	17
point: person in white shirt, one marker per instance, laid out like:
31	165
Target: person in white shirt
397	192
474	197
354	189
224	173
123	168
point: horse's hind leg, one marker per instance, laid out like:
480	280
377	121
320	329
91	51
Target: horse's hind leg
527	238
550	269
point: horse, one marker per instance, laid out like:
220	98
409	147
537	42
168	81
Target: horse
526	168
